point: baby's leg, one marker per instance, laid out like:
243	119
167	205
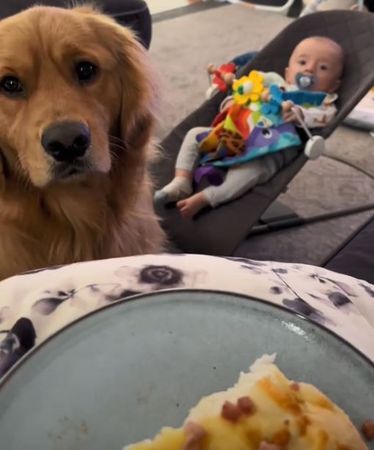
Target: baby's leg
181	185
239	180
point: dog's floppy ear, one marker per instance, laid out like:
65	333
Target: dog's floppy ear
2	173
139	92
139	97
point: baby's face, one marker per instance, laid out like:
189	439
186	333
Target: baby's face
320	58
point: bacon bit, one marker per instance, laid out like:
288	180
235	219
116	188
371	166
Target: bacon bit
230	412
280	396
195	434
266	446
368	429
302	423
287	422
295	386
281	438
246	405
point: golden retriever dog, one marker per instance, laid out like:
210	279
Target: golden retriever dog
77	108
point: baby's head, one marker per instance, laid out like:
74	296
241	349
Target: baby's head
320	58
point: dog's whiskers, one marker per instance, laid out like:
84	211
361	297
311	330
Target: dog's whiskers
118	147
116	140
117	144
19	173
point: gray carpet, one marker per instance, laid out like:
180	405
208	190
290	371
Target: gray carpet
182	47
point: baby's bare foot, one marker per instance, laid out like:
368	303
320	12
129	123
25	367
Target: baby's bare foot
192	205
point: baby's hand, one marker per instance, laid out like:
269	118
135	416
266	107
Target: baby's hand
288	113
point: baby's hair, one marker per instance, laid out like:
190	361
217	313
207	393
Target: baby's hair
330	40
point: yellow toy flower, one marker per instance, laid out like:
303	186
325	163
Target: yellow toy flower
248	88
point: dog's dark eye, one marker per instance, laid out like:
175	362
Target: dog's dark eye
11	85
86	71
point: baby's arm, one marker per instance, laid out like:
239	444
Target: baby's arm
314	117
318	116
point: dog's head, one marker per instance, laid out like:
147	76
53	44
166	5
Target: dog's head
76	93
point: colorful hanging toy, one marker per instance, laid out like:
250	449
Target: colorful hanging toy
248	89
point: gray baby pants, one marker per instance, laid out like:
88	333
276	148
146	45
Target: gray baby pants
238	179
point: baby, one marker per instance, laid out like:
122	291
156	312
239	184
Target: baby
315	64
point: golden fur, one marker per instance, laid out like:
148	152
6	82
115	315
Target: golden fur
106	211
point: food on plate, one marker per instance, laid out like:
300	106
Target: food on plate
264	410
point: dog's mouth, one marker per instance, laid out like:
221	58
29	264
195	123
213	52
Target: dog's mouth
69	171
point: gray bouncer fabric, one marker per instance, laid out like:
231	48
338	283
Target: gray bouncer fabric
219	231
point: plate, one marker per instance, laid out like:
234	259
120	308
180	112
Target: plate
119	374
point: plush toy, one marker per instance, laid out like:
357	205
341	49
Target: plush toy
220	78
253	126
248	89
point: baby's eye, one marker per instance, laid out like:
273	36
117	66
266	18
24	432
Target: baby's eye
302	62
323	67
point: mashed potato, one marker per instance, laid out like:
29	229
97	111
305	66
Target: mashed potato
262	411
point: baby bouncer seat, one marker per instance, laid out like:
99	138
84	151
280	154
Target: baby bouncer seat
220	230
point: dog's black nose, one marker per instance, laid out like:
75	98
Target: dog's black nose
66	141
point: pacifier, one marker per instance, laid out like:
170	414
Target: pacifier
305	81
